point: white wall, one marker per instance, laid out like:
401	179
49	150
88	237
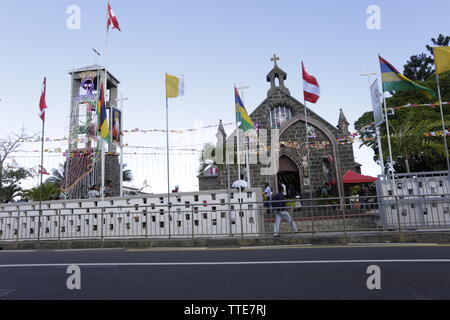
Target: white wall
200	214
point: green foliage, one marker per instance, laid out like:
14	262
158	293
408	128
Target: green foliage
408	125
57	176
10	183
46	192
412	151
420	67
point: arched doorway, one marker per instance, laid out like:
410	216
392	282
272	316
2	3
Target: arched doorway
289	174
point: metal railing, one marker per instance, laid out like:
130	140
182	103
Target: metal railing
243	219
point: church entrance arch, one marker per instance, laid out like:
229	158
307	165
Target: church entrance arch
290	174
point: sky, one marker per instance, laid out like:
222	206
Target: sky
214	44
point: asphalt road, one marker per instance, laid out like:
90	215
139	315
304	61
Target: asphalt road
277	273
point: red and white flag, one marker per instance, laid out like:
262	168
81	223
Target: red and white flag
43	171
42	102
112	19
311	88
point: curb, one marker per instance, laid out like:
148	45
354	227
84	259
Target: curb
426	237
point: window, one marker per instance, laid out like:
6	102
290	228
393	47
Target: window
279	116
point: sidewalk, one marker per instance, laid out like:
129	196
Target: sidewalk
286	239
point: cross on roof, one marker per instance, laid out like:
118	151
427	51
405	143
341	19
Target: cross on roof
275	59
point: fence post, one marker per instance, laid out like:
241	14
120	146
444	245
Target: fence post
147	224
240	215
344	219
192	221
18	226
101	224
59	225
39	225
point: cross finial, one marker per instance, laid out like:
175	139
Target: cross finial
275	59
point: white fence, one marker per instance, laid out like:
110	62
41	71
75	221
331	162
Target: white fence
199	214
415	200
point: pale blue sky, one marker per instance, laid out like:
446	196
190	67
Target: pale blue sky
214	44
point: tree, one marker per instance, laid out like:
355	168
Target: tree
10	177
11	183
412	151
9	145
46	192
208	152
420	67
441	41
58	176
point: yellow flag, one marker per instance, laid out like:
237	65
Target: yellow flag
442	59
174	86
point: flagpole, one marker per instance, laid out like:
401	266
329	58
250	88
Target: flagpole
443	122
394	188
103	155
238	152
168	163
41	178
246	140
308	151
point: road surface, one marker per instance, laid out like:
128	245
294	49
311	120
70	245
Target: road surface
265	273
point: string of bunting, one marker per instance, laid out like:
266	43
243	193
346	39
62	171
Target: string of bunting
137	130
432	105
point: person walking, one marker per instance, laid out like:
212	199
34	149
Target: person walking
280	210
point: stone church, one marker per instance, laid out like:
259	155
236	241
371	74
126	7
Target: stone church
330	152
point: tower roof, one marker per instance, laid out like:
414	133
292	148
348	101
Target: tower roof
277	73
94	67
342	119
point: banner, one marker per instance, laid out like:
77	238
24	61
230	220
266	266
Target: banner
377	104
116	126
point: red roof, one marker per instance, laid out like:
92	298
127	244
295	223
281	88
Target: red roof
353	177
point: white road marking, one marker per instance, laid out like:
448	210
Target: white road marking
94	249
180	264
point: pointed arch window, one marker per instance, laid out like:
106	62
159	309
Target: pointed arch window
279	116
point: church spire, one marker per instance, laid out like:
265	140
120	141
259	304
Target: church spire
277	74
343	123
221	134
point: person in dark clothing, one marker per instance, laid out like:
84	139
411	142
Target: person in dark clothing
280	210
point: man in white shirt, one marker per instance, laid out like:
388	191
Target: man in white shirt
240	184
94	192
284	189
268	192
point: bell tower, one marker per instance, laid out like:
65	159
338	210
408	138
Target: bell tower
277	75
82	168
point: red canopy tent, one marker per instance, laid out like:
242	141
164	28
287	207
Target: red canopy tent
353	177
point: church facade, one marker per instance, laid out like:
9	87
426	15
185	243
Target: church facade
312	153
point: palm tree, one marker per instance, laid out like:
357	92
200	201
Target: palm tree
409	143
46	192
58	176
